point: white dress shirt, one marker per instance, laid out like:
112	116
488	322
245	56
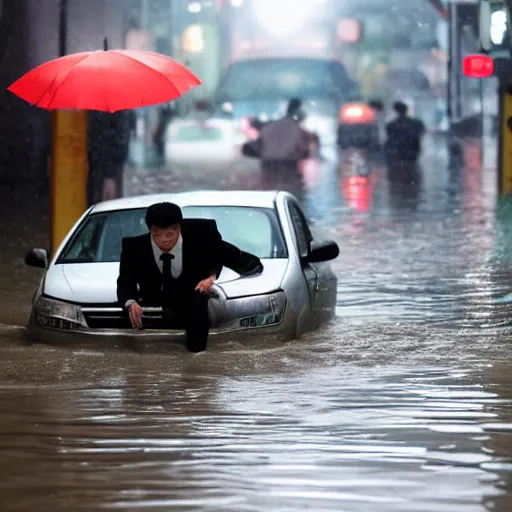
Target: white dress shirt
176	262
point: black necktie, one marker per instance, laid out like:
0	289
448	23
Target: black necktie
166	259
166	277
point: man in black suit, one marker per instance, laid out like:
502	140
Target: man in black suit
174	267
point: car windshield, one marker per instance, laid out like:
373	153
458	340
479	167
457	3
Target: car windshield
98	239
278	79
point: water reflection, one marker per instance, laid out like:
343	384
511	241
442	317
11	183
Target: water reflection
339	437
405	181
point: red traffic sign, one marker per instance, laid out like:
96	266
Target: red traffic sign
478	66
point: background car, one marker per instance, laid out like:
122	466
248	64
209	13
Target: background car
295	293
197	141
259	89
358	127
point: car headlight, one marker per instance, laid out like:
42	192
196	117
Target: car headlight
256	311
55	314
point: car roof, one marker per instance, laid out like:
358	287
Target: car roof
254	199
270	57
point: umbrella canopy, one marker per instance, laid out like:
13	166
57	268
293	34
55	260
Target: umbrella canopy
108	81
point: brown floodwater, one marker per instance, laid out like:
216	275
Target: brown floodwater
402	404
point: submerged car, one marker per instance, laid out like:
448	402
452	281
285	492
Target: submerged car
295	293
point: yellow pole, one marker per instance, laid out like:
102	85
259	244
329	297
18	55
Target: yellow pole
505	143
68	173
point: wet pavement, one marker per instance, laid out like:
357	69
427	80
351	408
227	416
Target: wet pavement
403	403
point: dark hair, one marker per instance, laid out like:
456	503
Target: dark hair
294	106
400	108
163	215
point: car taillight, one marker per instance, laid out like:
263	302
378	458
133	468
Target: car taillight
356	113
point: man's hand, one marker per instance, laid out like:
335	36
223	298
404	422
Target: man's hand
205	285
135	314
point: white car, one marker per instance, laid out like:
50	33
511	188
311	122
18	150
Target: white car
193	141
295	293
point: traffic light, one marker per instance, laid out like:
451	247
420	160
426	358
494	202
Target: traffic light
478	66
495	27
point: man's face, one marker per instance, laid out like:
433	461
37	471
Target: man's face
165	238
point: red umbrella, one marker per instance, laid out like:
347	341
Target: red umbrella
108	80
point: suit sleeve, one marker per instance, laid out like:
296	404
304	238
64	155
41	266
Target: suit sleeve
243	263
216	251
127	280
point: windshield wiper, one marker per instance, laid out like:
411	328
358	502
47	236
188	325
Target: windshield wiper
76	260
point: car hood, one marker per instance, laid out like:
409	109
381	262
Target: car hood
268	281
95	283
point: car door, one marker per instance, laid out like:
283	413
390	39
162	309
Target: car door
322	281
326	286
303	240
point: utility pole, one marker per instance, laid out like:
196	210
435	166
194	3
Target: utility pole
171	28
63	27
68	174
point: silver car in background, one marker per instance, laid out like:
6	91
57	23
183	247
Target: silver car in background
295	293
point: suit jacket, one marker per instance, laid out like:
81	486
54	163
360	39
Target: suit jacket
204	254
404	138
283	139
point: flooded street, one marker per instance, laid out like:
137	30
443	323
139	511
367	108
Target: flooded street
402	404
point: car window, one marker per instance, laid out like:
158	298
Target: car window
250	229
350	86
99	238
85	247
301	229
115	228
271	79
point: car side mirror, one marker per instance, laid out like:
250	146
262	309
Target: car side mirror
37	258
325	250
